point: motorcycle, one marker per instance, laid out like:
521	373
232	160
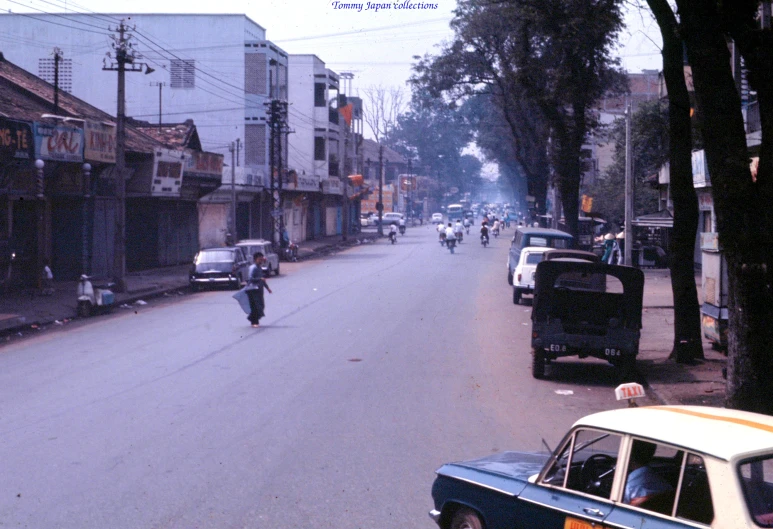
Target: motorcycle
484	240
402	230
495	232
442	238
392	237
451	243
459	237
467	229
92	298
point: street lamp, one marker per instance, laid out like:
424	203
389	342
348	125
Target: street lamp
41	207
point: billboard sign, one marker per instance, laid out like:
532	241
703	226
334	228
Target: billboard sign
16	140
60	143
100	142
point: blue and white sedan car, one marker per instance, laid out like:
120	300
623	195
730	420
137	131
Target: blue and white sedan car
658	467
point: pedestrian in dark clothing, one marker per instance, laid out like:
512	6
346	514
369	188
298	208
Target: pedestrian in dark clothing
255	285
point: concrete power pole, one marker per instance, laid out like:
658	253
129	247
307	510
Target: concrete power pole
124	55
380	205
628	187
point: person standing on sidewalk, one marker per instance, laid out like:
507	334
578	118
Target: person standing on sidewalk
48	279
255	285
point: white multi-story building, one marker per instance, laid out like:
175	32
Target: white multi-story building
216	69
315	147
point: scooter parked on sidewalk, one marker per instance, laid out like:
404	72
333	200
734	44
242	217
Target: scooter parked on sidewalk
94	298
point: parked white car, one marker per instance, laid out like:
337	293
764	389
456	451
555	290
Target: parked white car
523	275
437	217
391	218
250	246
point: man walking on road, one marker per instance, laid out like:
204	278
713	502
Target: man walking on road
255	285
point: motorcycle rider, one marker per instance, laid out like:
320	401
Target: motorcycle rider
484	232
402	224
467	223
450	234
393	232
458	229
441	230
495	228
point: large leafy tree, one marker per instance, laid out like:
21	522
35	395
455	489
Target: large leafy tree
433	134
550	56
741	202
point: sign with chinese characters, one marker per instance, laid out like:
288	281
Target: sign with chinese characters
167	173
203	164
100	142
16	140
61	143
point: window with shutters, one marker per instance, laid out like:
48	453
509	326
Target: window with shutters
255	74
255	144
47	72
183	73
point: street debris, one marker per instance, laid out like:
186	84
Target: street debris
125	306
140	302
57	322
564	392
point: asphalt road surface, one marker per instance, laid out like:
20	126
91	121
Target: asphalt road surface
372	368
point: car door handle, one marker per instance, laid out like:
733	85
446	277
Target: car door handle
594	512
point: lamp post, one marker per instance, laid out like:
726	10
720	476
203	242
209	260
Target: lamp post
85	228
41	207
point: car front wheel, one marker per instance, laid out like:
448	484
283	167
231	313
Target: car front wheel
466	519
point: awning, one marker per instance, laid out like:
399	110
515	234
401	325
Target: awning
661	219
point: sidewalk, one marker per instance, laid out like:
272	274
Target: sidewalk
26	310
672	383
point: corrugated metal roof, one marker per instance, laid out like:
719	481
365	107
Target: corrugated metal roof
26	97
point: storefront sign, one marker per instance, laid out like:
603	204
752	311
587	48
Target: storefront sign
16	140
709	240
167	173
100	142
302	182
705	200
61	143
332	186
700	171
203	164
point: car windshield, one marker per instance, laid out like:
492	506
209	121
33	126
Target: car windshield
756	477
215	256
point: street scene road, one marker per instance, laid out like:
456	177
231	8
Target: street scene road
371	369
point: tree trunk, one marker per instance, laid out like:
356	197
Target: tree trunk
738	209
687	324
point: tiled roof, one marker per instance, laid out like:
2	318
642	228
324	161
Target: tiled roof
26	97
173	135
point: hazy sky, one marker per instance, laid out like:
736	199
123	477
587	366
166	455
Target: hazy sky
376	45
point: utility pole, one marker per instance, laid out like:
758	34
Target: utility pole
277	111
238	148
232	150
380	205
160	87
628	187
124	55
57	58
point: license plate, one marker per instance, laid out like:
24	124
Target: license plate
555	348
574	523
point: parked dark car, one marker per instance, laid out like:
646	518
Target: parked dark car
219	267
586	309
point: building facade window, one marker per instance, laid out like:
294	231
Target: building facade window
255	144
183	73
319	148
47	72
319	95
